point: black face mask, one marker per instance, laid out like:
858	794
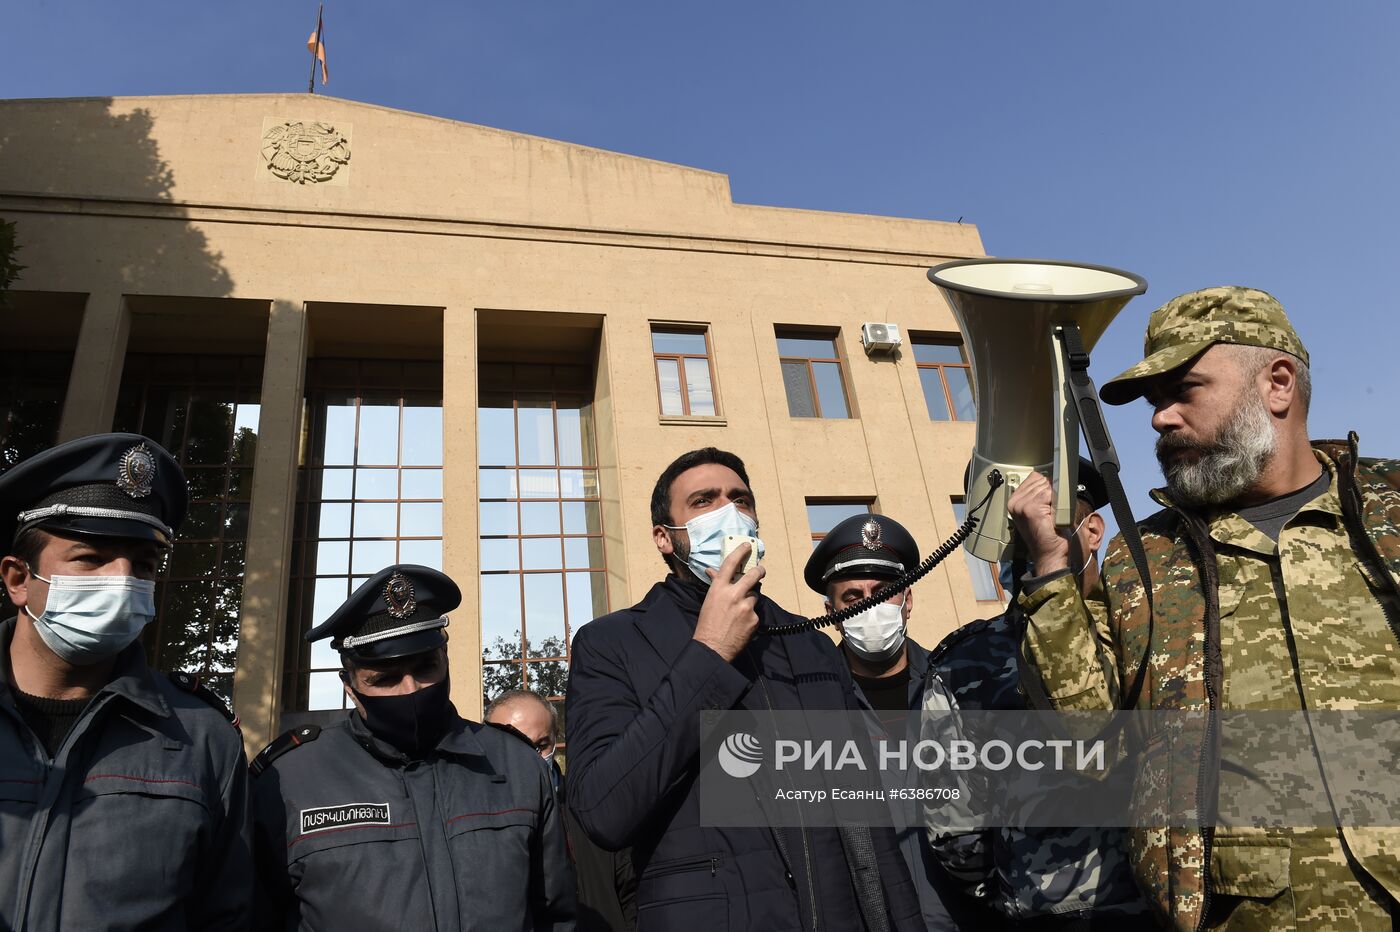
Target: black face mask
414	722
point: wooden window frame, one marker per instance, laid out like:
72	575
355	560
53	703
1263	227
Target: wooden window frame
781	332
941	340
679	359
869	504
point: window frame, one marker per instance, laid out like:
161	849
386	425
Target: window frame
666	326
799	332
945	339
523	660
807	503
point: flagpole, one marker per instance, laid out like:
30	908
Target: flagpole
315	47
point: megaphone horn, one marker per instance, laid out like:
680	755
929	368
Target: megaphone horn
1008	311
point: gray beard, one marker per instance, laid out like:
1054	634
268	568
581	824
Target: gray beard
1228	465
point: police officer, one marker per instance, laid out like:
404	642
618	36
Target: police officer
405	815
123	792
1043	879
860	555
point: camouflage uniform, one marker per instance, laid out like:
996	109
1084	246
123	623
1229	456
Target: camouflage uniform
1019	873
1239	623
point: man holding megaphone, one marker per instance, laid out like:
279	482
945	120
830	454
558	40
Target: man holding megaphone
1284	554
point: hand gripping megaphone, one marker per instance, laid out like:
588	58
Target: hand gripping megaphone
1023	321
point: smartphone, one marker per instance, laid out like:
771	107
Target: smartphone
732	542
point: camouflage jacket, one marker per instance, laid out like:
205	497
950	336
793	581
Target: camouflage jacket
1185	671
1019	873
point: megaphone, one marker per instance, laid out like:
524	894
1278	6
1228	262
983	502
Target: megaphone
1009	312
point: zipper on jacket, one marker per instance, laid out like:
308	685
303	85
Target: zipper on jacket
802	826
1210	589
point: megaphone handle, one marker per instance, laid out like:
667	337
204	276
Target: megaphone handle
1105	458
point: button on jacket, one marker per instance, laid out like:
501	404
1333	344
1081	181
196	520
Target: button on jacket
139	821
351	834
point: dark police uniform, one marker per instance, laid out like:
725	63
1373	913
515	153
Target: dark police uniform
350	832
876	547
139	816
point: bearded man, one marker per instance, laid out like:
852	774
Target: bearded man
1275	573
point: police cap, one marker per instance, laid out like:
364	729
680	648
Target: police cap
861	547
106	485
1091	485
397	612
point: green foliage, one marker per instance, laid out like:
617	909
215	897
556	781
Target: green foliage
9	268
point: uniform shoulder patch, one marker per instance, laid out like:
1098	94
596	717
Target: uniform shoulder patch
282	744
188	682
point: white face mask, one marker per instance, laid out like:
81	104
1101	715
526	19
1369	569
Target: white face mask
89	619
707	533
876	634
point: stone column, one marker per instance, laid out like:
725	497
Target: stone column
257	679
459	513
91	401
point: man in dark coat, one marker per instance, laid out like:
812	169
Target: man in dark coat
405	815
638	681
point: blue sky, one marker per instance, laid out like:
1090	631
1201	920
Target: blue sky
1195	143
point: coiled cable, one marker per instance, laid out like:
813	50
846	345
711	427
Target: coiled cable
899	584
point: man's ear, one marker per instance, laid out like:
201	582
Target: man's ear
908	602
1281	394
662	538
16	577
1094	524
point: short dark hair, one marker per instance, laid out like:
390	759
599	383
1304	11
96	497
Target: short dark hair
661	494
28	545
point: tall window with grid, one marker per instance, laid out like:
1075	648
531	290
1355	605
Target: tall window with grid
204	410
683	372
985	585
812	374
823	514
369	496
543	571
946	378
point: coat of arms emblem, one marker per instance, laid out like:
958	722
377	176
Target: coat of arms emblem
399	596
305	153
136	471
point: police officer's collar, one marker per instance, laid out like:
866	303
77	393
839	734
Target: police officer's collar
132	678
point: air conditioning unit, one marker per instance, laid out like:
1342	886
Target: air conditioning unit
880	338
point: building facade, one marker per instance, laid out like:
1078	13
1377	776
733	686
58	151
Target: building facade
373	336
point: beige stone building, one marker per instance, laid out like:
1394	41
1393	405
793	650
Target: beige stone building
375	336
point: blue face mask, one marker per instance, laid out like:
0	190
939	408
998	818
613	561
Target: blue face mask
89	619
707	533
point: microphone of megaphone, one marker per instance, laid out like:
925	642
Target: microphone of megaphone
1009	311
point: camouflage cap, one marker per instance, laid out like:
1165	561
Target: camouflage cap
1186	326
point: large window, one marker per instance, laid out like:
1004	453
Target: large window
683	373
543	573
369	496
32	387
204	410
824	514
946	378
812	375
985	586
